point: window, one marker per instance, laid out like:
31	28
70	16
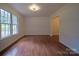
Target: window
5	23
8	24
14	24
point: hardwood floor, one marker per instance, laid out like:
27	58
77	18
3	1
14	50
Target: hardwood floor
36	46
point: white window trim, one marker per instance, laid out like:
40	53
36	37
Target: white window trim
11	29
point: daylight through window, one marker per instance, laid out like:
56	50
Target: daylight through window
8	24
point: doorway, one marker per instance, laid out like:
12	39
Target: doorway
55	27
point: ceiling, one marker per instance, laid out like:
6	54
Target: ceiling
46	9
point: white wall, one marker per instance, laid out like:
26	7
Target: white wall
37	26
69	28
7	41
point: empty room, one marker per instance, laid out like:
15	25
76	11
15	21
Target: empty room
39	29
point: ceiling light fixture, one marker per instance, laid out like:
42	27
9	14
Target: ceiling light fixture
34	7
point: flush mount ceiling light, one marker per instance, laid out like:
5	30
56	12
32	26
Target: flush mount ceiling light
34	7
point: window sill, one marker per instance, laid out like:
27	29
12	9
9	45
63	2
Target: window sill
8	37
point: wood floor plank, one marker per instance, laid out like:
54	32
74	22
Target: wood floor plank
36	46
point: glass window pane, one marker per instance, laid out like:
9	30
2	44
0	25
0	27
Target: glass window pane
9	20
15	29
3	27
0	15
2	19
14	19
6	17
6	13
5	30
2	12
5	20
